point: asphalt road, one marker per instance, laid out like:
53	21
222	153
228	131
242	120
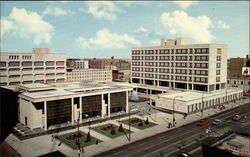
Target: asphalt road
169	141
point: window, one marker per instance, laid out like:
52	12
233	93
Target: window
218	58
217	72
218	65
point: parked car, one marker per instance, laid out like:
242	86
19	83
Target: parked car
202	122
236	117
216	122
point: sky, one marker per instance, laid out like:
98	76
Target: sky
101	29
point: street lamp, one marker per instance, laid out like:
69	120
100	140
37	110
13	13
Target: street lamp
173	108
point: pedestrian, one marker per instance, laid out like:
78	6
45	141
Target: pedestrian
96	142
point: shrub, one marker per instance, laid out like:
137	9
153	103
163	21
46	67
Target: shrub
140	123
120	128
112	132
146	122
88	137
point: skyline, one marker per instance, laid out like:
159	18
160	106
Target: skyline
90	29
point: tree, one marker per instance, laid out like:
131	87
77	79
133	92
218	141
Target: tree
146	122
88	137
140	123
112	132
120	128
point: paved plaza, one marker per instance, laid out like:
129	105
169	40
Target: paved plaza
46	143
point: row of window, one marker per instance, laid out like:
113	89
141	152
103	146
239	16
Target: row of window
36	63
48	74
167	64
213	102
167	58
15	57
173	51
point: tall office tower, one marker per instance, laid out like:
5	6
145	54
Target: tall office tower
40	66
178	64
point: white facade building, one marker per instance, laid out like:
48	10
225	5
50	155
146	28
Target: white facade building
187	102
40	66
177	64
81	64
43	105
89	75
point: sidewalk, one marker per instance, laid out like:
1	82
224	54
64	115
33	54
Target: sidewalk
43	144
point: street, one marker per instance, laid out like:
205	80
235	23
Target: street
169	141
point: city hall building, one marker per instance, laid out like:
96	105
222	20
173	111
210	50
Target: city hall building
43	105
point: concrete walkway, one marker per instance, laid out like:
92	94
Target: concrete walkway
44	144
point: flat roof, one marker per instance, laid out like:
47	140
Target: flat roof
35	87
71	89
194	95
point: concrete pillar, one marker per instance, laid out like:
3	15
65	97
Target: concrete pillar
127	101
150	101
80	101
45	115
103	107
108	104
72	111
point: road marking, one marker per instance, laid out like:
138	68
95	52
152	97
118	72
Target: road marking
118	152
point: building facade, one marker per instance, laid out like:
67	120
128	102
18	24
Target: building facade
89	75
81	64
40	66
42	106
178	64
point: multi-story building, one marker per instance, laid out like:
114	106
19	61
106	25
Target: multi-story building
111	64
235	65
178	64
40	66
81	64
89	75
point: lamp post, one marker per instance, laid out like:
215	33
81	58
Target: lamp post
202	104
173	108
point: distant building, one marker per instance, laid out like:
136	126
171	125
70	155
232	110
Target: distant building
235	66
40	66
110	64
122	75
236	76
178	64
81	64
43	105
89	75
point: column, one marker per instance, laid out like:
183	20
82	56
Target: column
72	111
150	101
80	101
127	101
108	104
103	107
45	115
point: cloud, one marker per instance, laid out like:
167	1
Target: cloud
183	25
27	24
222	25
106	39
184	4
155	41
6	26
56	11
142	29
103	9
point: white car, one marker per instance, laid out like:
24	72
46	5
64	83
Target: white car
216	122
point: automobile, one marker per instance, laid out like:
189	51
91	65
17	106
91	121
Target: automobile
216	122
202	122
236	117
